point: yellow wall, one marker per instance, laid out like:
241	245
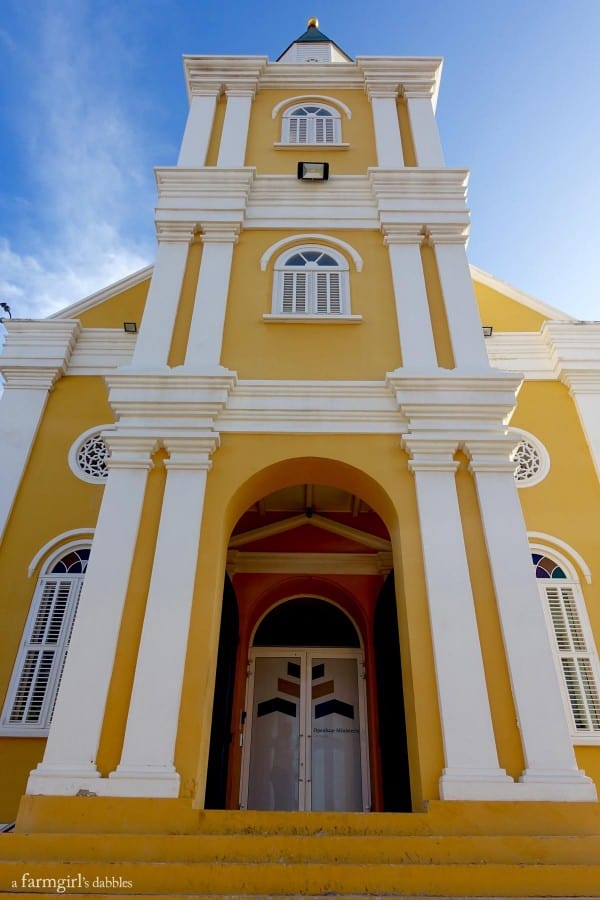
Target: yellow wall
265	132
259	349
127	306
503	313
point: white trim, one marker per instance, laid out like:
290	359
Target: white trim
294	101
328	318
550	312
74	449
543	454
84	536
283	145
379	563
299	238
546	543
117	287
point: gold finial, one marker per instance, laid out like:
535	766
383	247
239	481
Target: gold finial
313	22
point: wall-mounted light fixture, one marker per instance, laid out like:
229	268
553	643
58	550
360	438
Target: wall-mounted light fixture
130	327
313	171
487	330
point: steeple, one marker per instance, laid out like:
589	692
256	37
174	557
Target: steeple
313	46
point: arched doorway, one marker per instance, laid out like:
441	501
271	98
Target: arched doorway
305	740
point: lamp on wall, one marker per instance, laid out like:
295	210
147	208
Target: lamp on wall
313	171
487	330
130	327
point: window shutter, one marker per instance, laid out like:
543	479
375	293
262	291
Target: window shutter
298	129
329	295
43	651
300	292
293	296
574	656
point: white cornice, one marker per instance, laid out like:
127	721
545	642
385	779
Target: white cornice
544	309
222	72
37	352
75	310
100	351
524	352
310	563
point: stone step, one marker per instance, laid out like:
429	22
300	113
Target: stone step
309	879
286	848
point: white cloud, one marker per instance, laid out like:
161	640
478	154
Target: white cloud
91	221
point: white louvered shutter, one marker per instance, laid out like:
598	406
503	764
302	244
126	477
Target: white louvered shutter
329	299
324	130
298	129
575	657
43	652
293	296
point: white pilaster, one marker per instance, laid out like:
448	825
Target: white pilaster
384	104
234	137
472	771
208	319
69	763
575	353
425	134
410	295
198	127
464	324
156	332
35	355
551	768
147	762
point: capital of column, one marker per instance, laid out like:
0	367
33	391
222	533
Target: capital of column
174	232
241	89
419	91
429	454
129	451
377	91
492	455
206	89
447	234
191	453
396	233
220	232
37	353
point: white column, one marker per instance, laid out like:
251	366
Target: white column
234	137
551	768
208	319
34	356
425	135
388	141
464	324
156	332
69	762
198	127
410	294
147	762
472	771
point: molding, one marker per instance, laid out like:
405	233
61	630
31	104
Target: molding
37	352
56	542
293	101
419	76
312	236
74	448
380	563
323	319
208	194
101	350
207	73
117	287
521	297
539	540
316	521
524	352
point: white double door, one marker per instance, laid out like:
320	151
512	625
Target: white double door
305	740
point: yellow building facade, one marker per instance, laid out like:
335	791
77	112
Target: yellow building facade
311	503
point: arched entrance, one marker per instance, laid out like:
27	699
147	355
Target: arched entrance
305	740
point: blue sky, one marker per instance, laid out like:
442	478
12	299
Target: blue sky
92	97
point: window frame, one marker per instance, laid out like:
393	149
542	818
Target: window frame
59	647
579	623
311	129
311	270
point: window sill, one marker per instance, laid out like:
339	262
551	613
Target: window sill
14	731
281	146
585	739
312	319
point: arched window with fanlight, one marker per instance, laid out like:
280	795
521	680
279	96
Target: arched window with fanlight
311	123
40	661
573	644
311	281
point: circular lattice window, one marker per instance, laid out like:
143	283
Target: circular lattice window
89	455
531	459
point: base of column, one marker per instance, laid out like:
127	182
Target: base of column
145	781
63	781
475	784
558	784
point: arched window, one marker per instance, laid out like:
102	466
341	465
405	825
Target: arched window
572	642
311	281
41	658
311	124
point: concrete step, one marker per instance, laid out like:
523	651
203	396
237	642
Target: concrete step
307	879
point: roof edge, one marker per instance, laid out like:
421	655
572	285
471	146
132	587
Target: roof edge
92	300
550	312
